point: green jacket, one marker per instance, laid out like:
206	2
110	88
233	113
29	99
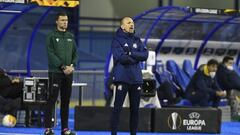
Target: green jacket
61	49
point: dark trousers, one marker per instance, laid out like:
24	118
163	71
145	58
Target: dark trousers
11	98
10	106
134	92
203	99
58	82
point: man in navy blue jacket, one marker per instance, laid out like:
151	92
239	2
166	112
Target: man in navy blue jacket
128	51
203	88
227	78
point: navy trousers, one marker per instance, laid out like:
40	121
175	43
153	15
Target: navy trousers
134	92
204	100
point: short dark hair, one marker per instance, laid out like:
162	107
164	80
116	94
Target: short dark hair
227	58
60	14
212	62
122	20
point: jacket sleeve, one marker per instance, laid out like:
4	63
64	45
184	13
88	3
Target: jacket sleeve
216	84
202	85
227	81
225	77
74	55
52	57
119	54
235	80
141	54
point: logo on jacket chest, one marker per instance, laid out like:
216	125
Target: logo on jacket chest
134	45
68	40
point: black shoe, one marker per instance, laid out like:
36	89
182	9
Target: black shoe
113	133
133	133
68	132
49	131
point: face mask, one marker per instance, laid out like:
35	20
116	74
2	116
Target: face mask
212	74
230	67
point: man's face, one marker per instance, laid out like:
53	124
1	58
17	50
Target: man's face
128	25
229	63
212	68
62	23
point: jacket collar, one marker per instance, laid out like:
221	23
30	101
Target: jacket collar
205	70
121	33
60	32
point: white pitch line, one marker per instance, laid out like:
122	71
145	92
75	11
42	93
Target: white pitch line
10	11
17	134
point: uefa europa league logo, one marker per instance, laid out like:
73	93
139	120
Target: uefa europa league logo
174	116
174	121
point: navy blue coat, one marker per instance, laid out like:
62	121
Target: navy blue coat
201	84
227	79
128	51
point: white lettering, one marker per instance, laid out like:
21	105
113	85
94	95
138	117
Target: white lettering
194	128
12	1
210	11
194	122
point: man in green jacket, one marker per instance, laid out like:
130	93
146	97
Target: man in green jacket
62	58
